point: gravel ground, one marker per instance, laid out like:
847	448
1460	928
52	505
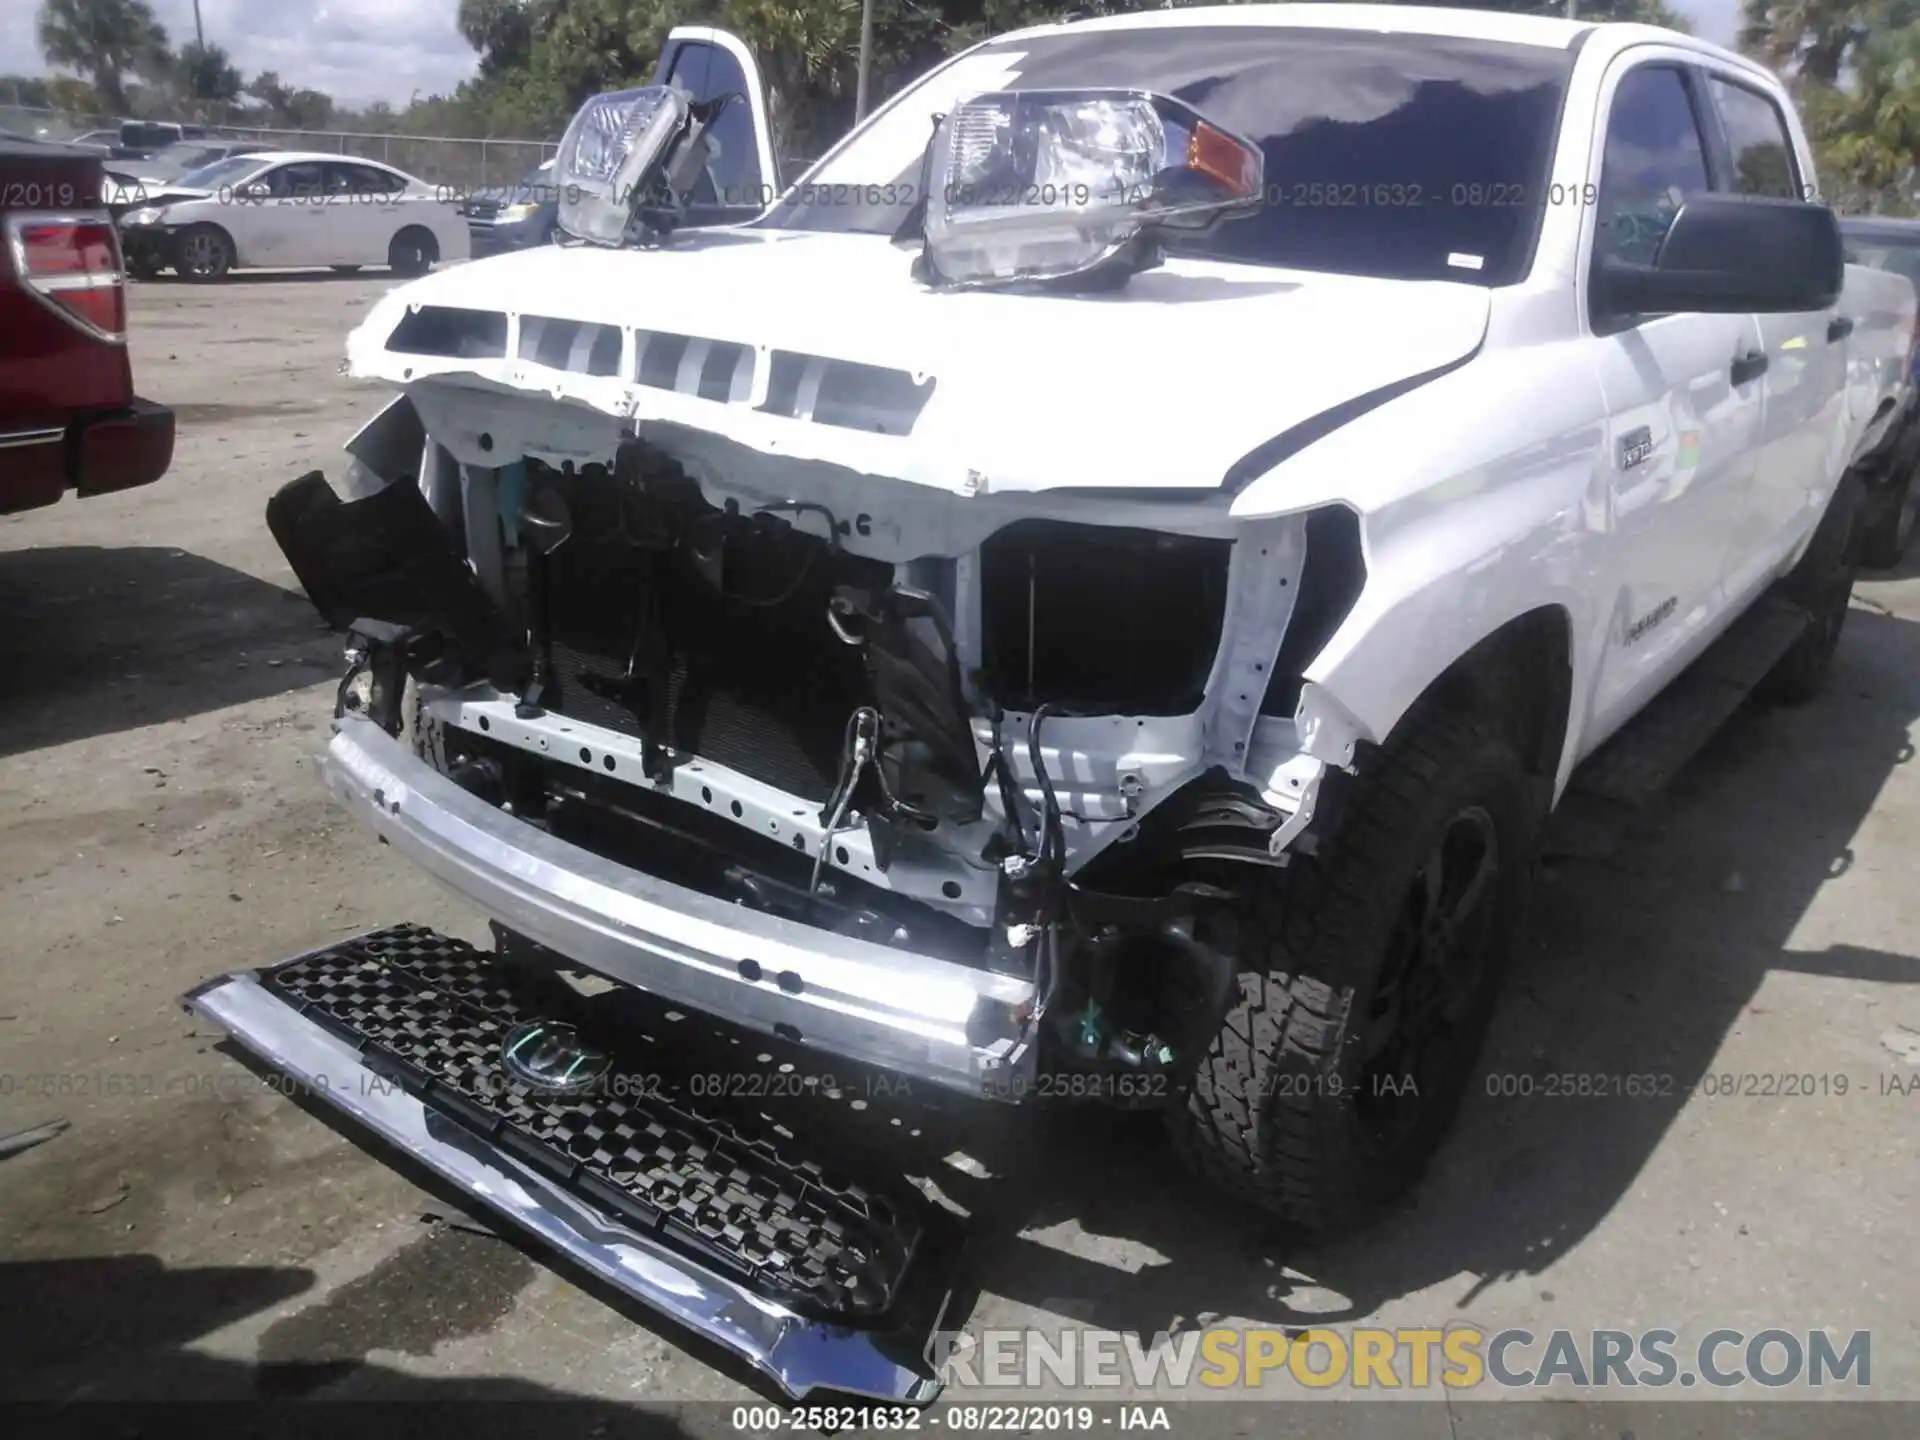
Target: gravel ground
163	690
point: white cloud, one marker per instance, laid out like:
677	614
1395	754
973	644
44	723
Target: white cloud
365	50
356	50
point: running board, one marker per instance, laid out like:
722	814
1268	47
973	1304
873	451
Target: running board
705	1215
1636	765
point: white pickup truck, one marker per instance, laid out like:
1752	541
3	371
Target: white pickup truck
1097	592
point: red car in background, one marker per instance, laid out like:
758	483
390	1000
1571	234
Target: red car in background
69	419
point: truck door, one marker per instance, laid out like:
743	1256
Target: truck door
1803	418
1683	395
742	178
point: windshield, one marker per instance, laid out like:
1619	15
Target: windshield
1407	156
222	172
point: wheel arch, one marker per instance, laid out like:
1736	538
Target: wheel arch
1521	671
1521	675
1487	594
415	227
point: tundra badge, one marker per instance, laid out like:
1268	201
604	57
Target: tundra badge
551	1058
1652	618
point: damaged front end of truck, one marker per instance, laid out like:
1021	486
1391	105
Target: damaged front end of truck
792	669
978	790
849	637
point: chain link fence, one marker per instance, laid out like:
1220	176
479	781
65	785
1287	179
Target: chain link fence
456	162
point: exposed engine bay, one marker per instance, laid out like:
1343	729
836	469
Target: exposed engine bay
1046	756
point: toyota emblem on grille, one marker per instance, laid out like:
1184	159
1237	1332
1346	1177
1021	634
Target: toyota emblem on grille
549	1056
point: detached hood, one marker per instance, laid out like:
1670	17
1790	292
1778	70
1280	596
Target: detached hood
822	347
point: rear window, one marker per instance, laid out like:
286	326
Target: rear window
1902	257
1407	156
1757	136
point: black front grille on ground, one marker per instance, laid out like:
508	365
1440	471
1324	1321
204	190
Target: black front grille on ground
433	1014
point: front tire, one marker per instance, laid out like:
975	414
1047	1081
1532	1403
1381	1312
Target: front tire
412	252
203	254
1356	1028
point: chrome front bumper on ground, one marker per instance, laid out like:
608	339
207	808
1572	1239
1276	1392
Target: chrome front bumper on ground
545	1187
914	1015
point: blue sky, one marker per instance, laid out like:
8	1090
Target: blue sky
365	50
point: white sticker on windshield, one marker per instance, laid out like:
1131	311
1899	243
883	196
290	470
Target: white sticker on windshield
888	148
1465	262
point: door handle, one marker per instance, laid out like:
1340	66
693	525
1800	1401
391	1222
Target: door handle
1839	328
1750	366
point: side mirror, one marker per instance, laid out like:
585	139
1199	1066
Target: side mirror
1731	254
256	190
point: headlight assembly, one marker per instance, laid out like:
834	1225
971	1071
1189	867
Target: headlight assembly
147	215
612	155
1043	184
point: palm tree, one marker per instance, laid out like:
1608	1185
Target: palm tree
1818	39
208	78
1867	134
501	30
105	40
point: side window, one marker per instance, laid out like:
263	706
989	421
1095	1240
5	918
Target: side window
1654	160
706	71
1757	136
348	179
302	180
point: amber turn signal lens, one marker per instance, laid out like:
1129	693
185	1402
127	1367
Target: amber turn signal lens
1221	158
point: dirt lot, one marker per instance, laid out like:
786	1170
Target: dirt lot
163	689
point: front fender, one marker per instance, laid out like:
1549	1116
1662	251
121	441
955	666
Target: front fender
1436	591
1482	497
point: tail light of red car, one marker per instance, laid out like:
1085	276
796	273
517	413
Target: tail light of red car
72	262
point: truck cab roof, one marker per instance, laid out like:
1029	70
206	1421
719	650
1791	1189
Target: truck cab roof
1381	19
